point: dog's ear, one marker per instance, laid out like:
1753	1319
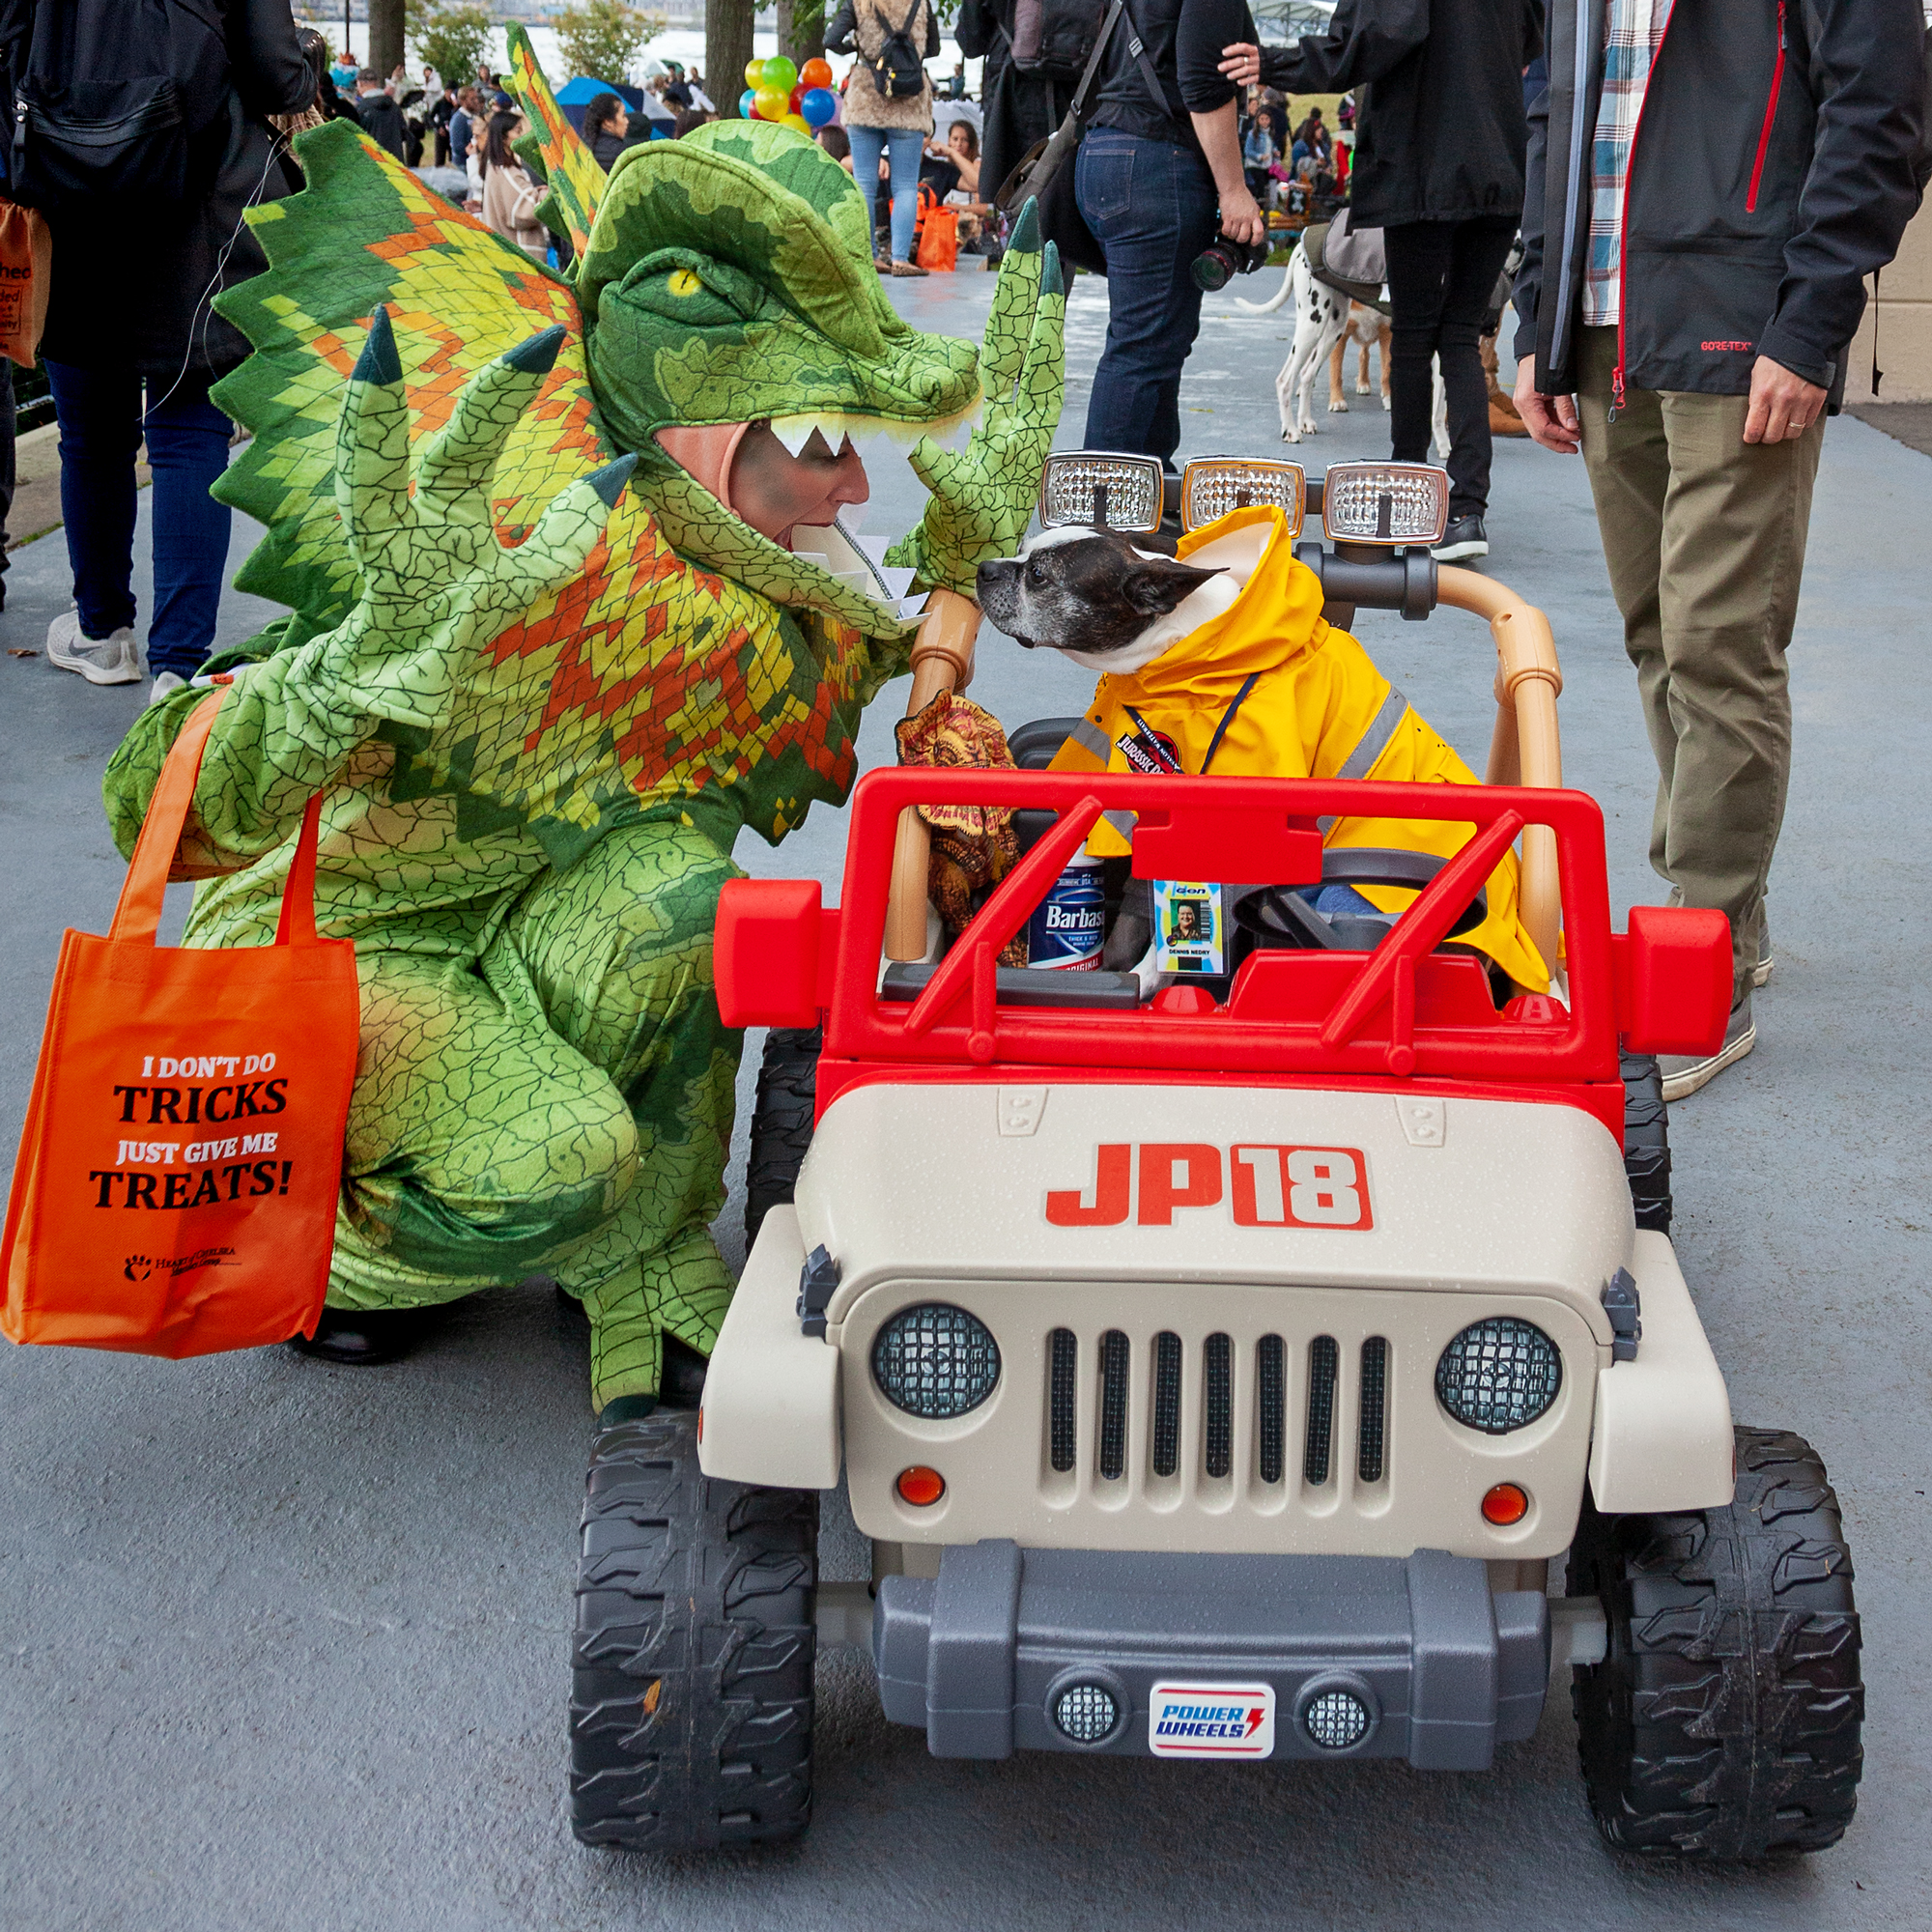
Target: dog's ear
1156	585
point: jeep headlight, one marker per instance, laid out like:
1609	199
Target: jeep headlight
1385	504
1498	1374
935	1361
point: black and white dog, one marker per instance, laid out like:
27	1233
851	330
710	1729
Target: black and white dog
1092	594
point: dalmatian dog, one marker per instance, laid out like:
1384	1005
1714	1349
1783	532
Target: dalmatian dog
1321	321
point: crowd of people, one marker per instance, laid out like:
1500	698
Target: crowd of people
1698	404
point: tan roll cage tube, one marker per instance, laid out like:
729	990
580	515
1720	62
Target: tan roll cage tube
1524	749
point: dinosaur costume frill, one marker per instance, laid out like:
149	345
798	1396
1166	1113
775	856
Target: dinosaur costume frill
546	676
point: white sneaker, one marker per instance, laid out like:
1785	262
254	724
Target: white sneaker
166	684
114	660
1685	1073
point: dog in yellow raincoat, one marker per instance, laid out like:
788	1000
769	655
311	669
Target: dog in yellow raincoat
1221	662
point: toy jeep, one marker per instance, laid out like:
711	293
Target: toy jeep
1217	1368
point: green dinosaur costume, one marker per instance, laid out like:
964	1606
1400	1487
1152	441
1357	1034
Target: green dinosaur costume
546	676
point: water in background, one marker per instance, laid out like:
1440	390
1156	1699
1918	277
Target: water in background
685	45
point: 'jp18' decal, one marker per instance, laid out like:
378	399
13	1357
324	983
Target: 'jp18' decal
1265	1186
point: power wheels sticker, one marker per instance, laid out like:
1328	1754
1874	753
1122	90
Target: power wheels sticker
1211	1721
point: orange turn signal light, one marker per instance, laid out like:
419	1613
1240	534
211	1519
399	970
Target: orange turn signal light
1505	1504
919	1486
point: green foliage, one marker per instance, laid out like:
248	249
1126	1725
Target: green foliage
601	38
451	36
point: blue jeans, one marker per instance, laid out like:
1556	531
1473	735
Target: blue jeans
1153	209
905	146
101	426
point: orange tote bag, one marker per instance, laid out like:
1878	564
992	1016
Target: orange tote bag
176	1189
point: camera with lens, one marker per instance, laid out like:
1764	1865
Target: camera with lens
1223	259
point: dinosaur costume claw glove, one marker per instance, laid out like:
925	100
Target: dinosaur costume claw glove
983	497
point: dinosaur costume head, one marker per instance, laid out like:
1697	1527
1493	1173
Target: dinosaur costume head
727	278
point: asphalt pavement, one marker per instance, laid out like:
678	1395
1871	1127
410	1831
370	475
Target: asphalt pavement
287	1644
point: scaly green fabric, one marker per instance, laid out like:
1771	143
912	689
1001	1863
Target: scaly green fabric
544	678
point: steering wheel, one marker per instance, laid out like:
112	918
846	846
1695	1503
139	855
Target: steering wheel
1275	919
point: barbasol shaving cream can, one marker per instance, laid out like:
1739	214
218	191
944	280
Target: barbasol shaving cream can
1069	923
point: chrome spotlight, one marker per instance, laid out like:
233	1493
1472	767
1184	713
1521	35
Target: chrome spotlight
1385	504
1210	486
1093	486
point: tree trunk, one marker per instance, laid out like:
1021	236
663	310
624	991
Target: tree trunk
385	37
727	50
801	25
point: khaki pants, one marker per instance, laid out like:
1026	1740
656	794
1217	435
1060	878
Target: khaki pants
1704	536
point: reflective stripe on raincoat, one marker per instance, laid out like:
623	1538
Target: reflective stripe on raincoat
1318	708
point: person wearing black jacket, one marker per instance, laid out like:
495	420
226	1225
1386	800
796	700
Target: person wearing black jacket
1438	168
1157	174
1018	109
1696	241
607	127
376	108
132	342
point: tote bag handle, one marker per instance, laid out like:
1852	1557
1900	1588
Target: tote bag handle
137	916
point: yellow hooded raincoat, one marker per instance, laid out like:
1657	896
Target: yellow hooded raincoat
1319	708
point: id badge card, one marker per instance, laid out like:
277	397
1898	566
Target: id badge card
1187	928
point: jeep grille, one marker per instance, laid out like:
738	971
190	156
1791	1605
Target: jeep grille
1159	1382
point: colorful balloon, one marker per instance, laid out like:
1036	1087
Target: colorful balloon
818	105
754	73
779	73
817	73
797	124
772	103
748	103
798	94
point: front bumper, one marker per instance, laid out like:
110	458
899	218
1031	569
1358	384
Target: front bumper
981	1655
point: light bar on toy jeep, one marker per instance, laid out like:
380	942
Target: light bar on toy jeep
1210	486
1096	486
1385	504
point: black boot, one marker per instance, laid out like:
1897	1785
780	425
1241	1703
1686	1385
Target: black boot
681	1380
362	1337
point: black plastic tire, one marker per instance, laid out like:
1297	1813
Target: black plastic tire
1724	1723
692	1704
781	1120
1647	1142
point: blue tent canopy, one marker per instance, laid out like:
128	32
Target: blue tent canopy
575	96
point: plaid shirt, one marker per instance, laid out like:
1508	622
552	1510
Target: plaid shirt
1633	32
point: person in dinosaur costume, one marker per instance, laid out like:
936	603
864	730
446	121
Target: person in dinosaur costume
569	607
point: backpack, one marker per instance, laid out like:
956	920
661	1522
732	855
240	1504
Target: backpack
897	69
1054	37
122	104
